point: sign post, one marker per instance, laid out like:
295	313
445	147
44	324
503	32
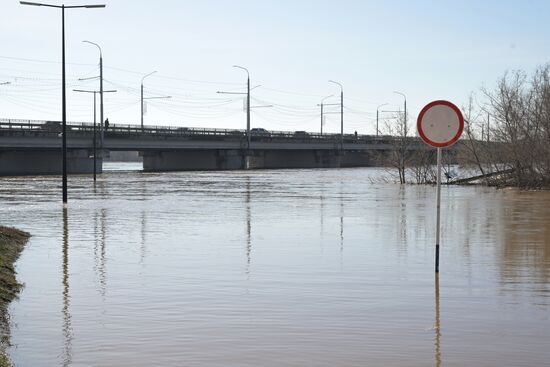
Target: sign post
440	124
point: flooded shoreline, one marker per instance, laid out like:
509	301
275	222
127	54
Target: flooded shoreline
12	242
292	267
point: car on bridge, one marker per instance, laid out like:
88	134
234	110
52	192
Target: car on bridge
52	126
300	134
259	133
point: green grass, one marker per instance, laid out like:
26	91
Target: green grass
12	242
4	361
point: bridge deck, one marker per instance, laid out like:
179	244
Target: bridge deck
33	134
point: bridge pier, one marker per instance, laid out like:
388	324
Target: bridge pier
301	159
357	159
232	159
193	160
48	162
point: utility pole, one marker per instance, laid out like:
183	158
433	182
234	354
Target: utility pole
341	113
95	124
144	98
248	107
377	113
322	113
247	104
405	127
101	127
63	92
101	121
151	73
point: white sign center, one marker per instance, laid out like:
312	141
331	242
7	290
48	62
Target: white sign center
440	124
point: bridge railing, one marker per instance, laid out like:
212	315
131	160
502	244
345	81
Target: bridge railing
122	130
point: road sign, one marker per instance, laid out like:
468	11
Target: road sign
440	124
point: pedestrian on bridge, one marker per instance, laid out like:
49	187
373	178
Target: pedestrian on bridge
106	124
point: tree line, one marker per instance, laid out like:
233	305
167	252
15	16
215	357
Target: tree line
506	139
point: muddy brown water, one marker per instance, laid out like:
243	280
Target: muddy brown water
277	268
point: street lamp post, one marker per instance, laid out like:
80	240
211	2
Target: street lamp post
377	113
247	104
151	73
95	129
341	113
101	128
144	98
322	105
405	115
63	92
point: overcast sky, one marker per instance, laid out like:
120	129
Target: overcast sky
425	49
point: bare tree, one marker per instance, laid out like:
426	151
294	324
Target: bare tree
520	107
400	143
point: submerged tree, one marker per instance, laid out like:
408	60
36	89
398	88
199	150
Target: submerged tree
398	154
519	144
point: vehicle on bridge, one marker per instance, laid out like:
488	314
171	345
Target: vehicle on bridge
53	126
259	133
300	134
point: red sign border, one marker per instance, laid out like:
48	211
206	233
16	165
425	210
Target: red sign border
460	123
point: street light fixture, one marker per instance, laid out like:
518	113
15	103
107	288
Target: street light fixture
377	113
325	104
247	103
405	115
142	79
63	93
101	128
341	113
95	139
144	98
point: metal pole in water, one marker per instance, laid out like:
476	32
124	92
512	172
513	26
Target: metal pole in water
95	148
63	109
438	214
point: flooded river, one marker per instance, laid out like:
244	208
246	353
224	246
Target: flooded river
277	268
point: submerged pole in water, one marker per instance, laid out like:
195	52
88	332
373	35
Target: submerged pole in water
440	124
438	209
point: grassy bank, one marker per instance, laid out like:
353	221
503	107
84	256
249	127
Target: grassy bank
12	242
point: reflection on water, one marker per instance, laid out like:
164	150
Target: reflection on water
248	226
272	268
67	329
437	325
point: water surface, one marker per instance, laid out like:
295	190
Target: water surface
277	268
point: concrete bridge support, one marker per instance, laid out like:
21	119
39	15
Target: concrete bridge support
188	160
35	162
358	159
301	159
191	160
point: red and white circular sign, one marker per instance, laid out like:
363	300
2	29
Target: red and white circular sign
440	124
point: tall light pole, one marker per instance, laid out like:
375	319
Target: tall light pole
144	98
341	113
322	105
63	92
247	103
95	134
151	73
405	116
377	113
101	129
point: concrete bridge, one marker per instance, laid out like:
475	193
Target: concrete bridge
34	147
